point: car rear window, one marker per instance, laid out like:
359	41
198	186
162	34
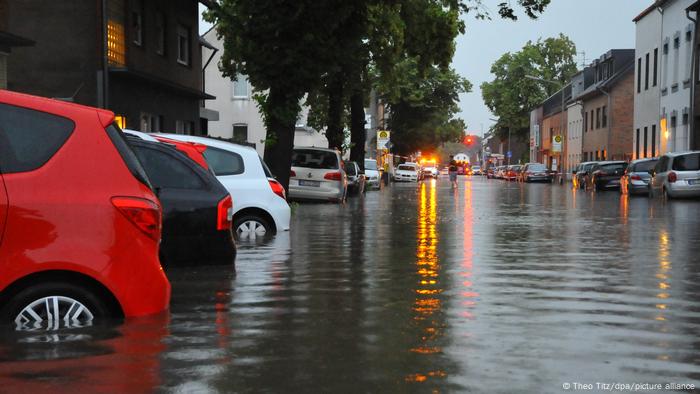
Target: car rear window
370	165
614	167
689	162
644	166
29	138
132	162
350	168
266	169
537	168
407	168
310	158
167	171
223	162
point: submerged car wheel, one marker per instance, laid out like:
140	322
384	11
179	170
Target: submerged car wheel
52	306
251	227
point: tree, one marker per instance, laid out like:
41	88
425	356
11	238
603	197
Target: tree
285	48
511	96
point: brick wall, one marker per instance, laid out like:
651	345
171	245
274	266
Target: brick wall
622	138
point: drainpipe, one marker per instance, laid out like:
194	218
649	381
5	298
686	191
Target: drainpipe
105	65
608	155
691	117
583	131
662	136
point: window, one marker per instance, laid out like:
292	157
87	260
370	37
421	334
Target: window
223	162
592	124
605	116
150	123
116	47
676	41
240	86
685	118
653	140
689	162
137	23
240	133
165	170
688	35
639	75
666	48
645	142
183	45
28	138
656	60
646	72
597	118
184	127
160	33
673	121
585	124
312	158
636	146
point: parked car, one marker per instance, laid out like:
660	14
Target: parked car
192	150
606	175
317	174
676	175
430	172
511	173
81	222
373	174
476	170
356	179
407	172
491	172
581	178
260	205
636	178
535	172
197	208
499	172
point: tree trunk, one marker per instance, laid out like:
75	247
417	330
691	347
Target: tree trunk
334	132
357	127
280	134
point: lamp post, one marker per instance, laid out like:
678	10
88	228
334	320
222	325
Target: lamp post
561	118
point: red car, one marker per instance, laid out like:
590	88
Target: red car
80	225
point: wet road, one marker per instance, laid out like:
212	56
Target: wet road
494	287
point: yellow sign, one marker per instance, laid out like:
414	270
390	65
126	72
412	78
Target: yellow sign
556	144
383	137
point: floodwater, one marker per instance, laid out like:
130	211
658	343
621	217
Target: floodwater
494	287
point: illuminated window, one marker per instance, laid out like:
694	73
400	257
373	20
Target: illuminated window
116	49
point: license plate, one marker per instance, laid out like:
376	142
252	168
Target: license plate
309	183
693	181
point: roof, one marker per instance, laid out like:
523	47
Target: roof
694	7
594	89
657	3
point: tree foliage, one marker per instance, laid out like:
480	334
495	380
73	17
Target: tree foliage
511	95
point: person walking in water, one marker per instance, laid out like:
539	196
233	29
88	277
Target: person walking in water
453	172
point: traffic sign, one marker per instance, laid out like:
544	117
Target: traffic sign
509	154
382	139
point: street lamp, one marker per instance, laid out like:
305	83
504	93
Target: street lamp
561	116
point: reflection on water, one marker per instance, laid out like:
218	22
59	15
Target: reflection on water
492	287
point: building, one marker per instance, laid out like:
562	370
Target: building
695	85
554	122
608	107
535	138
7	42
574	136
138	58
235	112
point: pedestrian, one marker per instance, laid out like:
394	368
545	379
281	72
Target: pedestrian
453	172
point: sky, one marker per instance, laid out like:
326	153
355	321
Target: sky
595	26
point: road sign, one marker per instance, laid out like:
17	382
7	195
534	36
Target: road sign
382	139
556	143
509	154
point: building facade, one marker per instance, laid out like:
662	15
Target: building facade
138	58
695	85
535	137
608	107
238	117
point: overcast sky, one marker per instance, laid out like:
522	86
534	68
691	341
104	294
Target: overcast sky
595	26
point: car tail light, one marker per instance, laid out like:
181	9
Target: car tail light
292	174
333	176
672	177
142	213
224	213
277	188
635	177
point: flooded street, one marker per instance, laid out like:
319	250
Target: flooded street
495	287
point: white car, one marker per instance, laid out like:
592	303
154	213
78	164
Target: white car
406	173
259	203
430	172
372	173
317	174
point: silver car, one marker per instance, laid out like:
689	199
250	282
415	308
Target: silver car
373	174
676	175
317	174
636	177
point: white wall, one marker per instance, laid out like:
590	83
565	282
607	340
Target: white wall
243	110
647	101
676	75
574	144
